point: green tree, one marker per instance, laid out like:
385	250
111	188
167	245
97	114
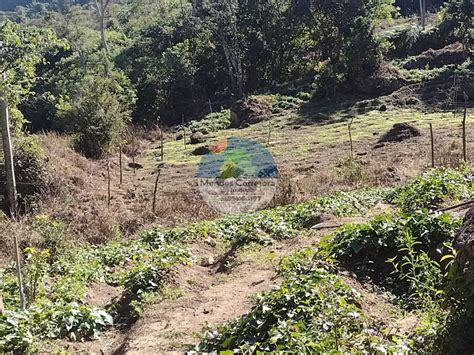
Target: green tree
97	117
21	50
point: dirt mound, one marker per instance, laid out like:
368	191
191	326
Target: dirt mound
385	80
400	132
435	58
249	111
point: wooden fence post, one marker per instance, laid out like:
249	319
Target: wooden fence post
158	173
184	132
121	166
464	143
432	146
11	182
108	184
162	144
11	197
349	127
133	152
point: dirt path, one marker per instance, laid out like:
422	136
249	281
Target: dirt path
173	325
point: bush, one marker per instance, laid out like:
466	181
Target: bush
212	122
313	311
97	118
432	188
388	247
34	180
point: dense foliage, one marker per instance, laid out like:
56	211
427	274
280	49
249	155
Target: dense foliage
315	310
166	59
312	311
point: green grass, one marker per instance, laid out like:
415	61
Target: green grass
288	143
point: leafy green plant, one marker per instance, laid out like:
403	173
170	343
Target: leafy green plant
72	320
212	122
34	273
408	241
434	187
312	311
15	334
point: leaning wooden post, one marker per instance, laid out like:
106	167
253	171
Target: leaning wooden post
349	127
11	182
120	165
269	133
464	144
108	184
432	146
184	132
12	197
133	152
162	144
158	173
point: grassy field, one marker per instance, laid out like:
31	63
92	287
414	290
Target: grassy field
314	130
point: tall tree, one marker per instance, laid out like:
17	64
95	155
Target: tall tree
225	16
101	7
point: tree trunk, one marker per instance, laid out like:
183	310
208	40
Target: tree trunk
422	13
8	156
11	183
101	6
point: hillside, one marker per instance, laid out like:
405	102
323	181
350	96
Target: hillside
227	176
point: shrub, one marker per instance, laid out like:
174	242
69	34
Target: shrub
312	311
432	188
98	118
370	248
34	180
351	170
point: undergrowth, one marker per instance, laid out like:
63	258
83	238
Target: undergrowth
313	310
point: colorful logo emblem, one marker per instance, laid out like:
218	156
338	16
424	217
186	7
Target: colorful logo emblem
238	175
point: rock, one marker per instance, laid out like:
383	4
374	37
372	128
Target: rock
207	261
383	108
313	221
197	138
179	136
135	166
412	101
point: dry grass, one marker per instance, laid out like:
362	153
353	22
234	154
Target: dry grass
312	161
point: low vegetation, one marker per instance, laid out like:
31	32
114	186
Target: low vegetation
313	309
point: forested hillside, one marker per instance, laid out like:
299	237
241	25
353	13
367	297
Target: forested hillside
236	176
